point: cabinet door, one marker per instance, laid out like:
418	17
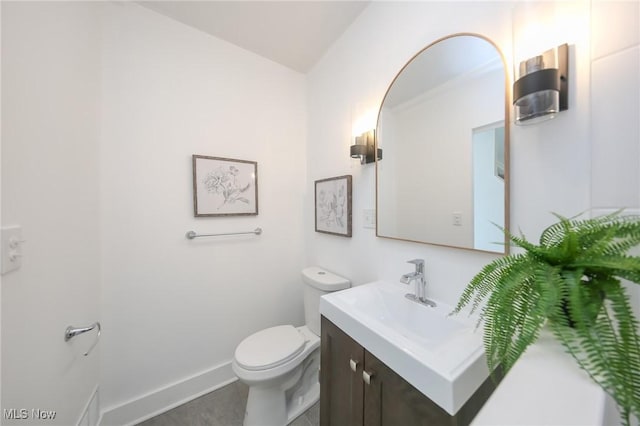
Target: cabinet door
389	400
341	388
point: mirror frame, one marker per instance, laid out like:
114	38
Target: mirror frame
507	145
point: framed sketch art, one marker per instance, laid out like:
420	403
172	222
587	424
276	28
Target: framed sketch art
333	206
224	187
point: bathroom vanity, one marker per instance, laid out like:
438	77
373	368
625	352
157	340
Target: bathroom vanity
385	398
387	360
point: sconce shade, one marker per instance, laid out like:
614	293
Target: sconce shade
364	148
358	150
540	91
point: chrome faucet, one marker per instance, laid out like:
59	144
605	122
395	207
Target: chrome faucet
420	291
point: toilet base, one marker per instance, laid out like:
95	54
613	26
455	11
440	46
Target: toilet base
302	404
279	406
265	407
268	408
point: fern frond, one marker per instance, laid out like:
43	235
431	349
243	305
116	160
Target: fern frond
518	309
505	322
626	267
628	351
489	279
609	348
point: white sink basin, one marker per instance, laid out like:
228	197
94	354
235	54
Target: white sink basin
440	355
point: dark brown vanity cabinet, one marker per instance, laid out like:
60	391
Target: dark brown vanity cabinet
341	388
356	388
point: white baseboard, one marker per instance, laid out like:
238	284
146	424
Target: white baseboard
168	397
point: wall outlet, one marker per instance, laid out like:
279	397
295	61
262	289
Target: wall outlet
369	218
11	243
457	219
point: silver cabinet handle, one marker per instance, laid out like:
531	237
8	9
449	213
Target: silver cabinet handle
367	376
353	364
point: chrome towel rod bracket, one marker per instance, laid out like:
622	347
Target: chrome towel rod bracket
192	234
72	332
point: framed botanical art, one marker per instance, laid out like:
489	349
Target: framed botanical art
224	187
333	206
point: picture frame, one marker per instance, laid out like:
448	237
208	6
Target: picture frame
224	187
333	205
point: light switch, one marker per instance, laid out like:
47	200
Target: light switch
369	218
11	242
457	218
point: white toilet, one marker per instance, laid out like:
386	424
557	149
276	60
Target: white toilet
281	364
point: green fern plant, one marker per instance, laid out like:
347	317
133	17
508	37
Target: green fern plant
571	282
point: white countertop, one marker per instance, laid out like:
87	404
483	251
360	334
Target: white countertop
546	388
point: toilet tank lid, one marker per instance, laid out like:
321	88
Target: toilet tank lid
323	279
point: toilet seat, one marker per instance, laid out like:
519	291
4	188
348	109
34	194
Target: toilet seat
269	348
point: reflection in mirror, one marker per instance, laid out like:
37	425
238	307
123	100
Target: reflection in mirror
444	176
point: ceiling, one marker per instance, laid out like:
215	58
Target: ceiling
295	34
443	62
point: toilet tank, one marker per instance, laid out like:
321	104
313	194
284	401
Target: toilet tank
317	282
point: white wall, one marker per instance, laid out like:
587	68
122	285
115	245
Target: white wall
615	127
1	248
174	308
616	105
50	184
550	162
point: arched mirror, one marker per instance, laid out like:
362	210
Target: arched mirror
443	128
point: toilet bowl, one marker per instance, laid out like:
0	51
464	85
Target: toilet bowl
280	364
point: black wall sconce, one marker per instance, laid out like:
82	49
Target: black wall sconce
365	147
541	87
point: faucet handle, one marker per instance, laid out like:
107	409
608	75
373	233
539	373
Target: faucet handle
419	264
